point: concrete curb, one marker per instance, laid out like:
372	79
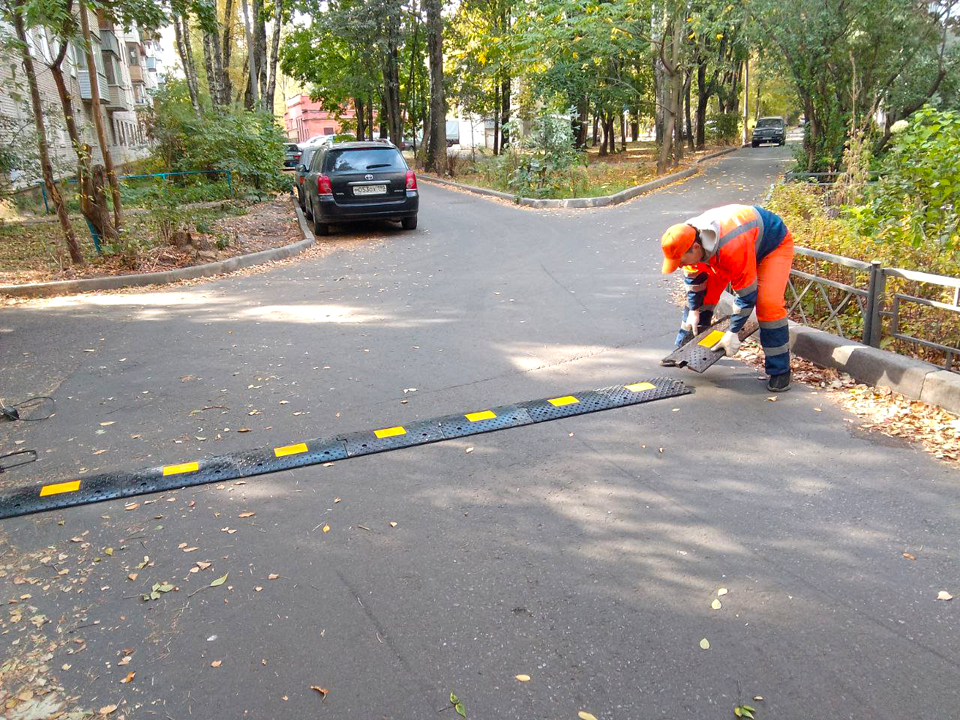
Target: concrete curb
603	201
160	278
915	379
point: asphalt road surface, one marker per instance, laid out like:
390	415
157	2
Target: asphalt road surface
585	553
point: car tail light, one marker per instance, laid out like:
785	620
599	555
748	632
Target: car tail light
323	185
411	180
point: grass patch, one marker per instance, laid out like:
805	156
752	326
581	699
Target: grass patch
595	177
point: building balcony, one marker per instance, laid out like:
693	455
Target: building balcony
108	42
151	63
136	73
83	78
117	99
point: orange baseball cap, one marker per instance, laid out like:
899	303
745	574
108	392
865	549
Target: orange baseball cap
674	243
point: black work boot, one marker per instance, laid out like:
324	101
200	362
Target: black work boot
779	383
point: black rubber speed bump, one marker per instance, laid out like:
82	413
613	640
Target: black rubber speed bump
123	484
697	355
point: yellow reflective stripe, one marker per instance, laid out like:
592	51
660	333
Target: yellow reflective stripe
182	468
483	415
640	387
64	487
390	432
290	449
712	339
565	400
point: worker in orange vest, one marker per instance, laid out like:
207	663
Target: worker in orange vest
751	249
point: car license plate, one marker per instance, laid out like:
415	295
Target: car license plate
369	189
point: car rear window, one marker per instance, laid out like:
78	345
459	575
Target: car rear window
292	147
364	159
307	156
769	122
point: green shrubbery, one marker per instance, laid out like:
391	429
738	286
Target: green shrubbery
540	163
249	144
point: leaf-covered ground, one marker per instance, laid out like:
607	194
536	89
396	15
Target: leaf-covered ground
35	252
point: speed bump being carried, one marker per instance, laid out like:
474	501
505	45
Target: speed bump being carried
123	484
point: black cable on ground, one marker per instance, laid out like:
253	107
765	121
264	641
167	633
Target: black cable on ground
14	411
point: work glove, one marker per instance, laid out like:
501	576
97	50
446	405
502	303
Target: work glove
729	344
690	323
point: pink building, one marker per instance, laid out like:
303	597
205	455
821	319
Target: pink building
304	118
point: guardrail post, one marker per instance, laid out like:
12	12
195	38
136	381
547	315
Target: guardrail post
873	320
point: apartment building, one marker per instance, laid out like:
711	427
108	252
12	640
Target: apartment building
304	118
126	65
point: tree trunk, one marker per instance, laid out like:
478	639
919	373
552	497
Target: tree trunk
98	117
181	31
623	133
210	47
635	124
505	111
45	165
686	110
361	118
251	97
596	127
437	151
93	205
226	83
370	117
259	30
702	99
496	119
274	50
604	144
672	82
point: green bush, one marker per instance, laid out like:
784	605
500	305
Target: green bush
724	127
913	211
249	144
541	163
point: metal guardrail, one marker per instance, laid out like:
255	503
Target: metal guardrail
876	306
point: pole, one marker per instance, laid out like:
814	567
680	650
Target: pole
746	99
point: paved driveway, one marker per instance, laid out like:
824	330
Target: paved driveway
584	553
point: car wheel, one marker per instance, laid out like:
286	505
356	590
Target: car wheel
320	229
409	223
308	208
755	144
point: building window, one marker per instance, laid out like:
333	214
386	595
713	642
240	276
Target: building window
328	131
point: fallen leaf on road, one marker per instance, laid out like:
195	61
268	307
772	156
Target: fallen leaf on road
219	581
721	592
716	604
244	429
469	450
190	549
523	678
584	715
336	500
704	644
758	698
216	663
773	398
132	576
942	595
109	551
66	666
908	556
130	676
131	506
258	588
203	565
107	424
124	661
181	546
246	514
392	524
272	576
326	528
107	709
323	691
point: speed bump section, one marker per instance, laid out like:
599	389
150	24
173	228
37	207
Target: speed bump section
249	463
